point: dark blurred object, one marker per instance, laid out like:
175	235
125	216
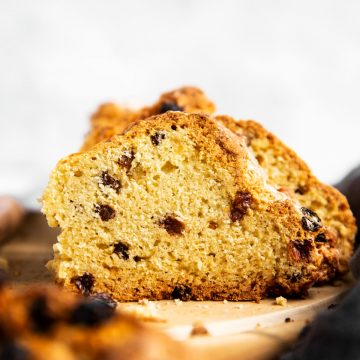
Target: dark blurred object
334	334
350	187
355	264
11	216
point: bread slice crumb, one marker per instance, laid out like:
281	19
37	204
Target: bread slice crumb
178	302
280	300
199	329
144	310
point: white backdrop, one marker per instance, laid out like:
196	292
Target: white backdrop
292	65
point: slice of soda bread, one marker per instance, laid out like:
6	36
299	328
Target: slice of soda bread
178	207
288	173
111	119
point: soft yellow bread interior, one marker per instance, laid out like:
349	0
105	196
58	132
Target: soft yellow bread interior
178	207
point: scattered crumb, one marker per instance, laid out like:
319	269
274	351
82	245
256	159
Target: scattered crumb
178	302
143	301
225	301
199	329
332	306
202	306
258	326
144	310
240	306
280	300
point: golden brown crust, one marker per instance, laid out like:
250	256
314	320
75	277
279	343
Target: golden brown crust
111	119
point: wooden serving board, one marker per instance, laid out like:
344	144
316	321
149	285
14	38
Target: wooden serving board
245	330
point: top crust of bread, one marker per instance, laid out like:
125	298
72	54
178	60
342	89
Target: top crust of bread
111	119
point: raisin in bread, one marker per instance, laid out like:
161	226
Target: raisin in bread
288	173
178	207
111	119
47	323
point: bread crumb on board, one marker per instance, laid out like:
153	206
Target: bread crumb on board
280	300
144	310
199	330
239	306
178	302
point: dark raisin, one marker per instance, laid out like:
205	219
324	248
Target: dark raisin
126	159
301	190
300	250
42	321
295	277
169	106
321	238
310	220
240	204
13	351
106	298
173	127
84	283
213	225
122	250
108	180
105	212
182	292
172	225
287	320
137	258
157	138
92	313
4	278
